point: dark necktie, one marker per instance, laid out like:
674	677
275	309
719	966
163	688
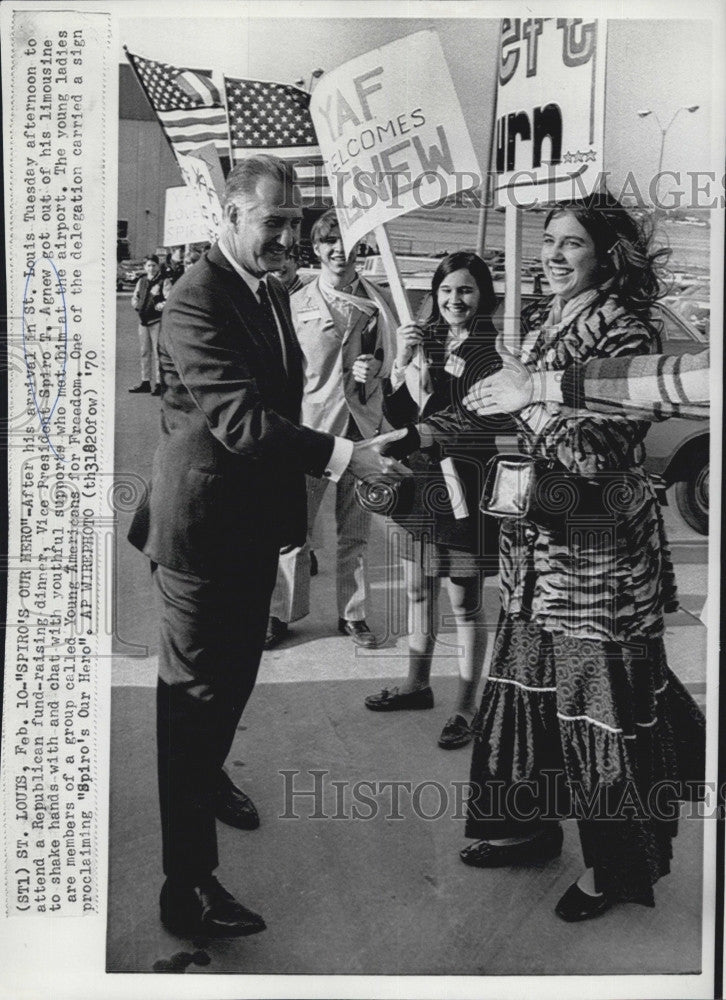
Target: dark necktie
270	323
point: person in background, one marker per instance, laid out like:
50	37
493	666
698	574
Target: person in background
288	273
346	330
435	367
148	301
656	385
173	268
191	256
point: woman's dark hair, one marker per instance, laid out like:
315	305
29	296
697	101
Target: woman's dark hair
631	269
464	260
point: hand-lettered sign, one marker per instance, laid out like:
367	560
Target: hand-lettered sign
392	134
550	109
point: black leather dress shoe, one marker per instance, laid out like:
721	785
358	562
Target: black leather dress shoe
530	852
156	391
276	632
358	631
397	701
577	905
233	807
144	386
206	909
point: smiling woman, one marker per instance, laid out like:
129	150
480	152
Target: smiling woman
568	257
580	695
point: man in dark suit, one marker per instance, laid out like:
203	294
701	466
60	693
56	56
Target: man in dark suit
227	492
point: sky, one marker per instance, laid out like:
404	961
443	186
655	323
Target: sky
651	64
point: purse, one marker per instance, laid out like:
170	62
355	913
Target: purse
546	494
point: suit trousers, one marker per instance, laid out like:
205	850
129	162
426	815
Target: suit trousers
212	634
291	597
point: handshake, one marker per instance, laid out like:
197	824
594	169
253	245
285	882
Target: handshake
375	457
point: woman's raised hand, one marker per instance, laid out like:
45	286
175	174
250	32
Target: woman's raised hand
409	337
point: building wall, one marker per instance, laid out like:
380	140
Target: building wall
146	169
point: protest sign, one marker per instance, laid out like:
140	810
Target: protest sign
198	176
389	145
550	109
183	221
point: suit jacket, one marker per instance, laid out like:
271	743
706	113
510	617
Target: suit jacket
229	469
331	393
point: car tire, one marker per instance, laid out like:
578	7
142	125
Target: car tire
691	492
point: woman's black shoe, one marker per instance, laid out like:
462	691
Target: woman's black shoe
577	905
456	733
529	852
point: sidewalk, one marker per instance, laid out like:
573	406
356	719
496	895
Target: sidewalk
378	895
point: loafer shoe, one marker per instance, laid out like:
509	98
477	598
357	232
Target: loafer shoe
277	631
233	807
397	701
577	905
141	387
358	631
456	733
542	848
206	909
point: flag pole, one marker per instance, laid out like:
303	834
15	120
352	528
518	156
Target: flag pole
393	273
481	234
229	127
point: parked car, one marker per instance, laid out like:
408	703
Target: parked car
677	450
128	273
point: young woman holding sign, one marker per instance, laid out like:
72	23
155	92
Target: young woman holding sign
436	366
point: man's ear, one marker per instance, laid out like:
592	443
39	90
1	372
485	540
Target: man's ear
231	213
316	251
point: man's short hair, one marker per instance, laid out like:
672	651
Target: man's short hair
324	226
243	178
152	257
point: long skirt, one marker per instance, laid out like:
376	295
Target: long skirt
602	732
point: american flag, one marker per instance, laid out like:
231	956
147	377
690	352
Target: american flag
187	104
275	118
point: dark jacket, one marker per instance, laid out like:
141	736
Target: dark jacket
147	295
468	440
229	470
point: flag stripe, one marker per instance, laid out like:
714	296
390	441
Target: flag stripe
187	122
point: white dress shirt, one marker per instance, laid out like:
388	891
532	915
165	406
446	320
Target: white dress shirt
342	448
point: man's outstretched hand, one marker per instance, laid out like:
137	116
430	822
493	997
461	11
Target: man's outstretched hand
369	460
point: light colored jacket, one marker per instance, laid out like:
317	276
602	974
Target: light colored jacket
331	394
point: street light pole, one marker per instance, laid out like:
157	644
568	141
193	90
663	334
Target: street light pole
664	131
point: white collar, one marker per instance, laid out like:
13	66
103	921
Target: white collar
251	280
327	287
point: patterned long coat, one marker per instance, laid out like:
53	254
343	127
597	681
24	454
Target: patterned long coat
608	578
